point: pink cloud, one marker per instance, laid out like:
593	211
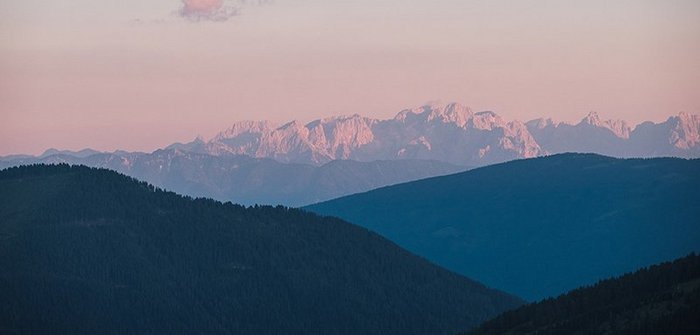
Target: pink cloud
202	6
212	10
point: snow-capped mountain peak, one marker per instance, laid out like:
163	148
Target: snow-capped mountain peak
247	126
450	133
617	127
592	119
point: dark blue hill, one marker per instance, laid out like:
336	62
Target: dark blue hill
540	227
661	299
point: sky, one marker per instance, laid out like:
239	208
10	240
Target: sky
139	75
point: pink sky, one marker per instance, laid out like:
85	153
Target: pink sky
138	75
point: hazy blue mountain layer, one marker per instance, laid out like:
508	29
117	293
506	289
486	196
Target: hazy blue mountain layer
539	227
246	180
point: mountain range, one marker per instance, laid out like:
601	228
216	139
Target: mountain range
91	251
298	164
542	226
448	133
451	133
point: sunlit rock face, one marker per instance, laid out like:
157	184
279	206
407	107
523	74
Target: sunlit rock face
449	133
453	133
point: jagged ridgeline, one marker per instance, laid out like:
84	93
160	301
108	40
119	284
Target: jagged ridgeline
661	299
90	251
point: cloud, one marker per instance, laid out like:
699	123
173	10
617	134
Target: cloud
215	10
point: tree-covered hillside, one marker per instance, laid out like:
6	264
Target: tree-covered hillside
88	251
661	299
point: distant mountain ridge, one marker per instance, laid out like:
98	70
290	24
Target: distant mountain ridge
451	133
678	136
289	164
247	180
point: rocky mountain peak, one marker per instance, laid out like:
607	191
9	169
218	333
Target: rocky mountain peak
685	130
617	127
592	119
247	126
449	133
486	120
541	123
451	113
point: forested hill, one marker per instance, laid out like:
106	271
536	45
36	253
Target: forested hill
543	226
662	299
89	251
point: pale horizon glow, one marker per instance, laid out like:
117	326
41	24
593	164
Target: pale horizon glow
139	75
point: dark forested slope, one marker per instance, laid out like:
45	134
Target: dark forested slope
540	227
88	251
661	299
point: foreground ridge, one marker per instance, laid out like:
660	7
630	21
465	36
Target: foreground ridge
86	251
660	299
